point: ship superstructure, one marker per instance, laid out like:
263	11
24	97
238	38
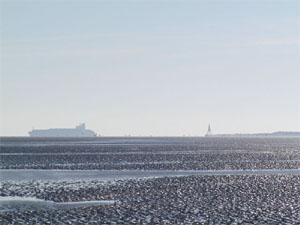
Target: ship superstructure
78	131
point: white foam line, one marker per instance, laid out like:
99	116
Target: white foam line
15	203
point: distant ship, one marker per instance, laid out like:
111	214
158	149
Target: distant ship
78	131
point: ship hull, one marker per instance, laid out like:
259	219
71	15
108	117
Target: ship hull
79	131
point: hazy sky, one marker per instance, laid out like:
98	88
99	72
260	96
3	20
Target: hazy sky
150	67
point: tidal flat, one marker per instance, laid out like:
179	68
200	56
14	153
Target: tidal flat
202	180
150	153
246	199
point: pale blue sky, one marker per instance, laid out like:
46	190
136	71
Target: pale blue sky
150	67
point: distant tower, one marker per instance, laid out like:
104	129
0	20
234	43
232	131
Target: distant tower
208	131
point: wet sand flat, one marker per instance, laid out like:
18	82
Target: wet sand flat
150	180
231	199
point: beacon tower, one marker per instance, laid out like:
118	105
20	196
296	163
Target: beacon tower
208	131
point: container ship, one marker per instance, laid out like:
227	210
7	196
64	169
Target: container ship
78	131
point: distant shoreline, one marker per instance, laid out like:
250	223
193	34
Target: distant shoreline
274	134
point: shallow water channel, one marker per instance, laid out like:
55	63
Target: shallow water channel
58	175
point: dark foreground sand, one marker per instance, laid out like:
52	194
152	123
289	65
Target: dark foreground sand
245	199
